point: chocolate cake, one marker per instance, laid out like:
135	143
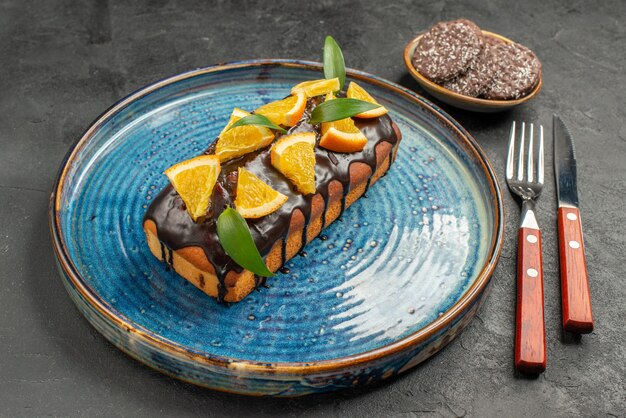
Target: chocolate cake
192	248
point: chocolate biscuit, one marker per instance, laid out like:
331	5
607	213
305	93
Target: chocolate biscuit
492	40
480	74
447	49
518	72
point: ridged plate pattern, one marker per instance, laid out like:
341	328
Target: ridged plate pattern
397	260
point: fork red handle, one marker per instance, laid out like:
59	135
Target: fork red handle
530	334
575	298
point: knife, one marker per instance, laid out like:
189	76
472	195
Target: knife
576	301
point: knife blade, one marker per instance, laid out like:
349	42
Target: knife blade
575	296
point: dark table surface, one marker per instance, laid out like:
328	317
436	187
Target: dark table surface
62	63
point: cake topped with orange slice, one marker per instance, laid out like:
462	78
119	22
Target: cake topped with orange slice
273	179
285	112
294	156
242	140
357	92
315	88
342	135
194	181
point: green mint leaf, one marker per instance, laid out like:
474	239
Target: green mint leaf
337	109
236	239
334	65
258	120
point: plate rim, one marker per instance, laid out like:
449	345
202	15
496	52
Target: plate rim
159	343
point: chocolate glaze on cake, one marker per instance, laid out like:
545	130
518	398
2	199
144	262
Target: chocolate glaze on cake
176	229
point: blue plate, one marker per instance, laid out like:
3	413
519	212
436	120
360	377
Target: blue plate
396	279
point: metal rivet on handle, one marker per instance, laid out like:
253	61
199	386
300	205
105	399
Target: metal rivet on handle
532	272
531	238
574	244
572	216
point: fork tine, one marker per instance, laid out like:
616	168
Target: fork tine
530	160
540	157
509	159
520	158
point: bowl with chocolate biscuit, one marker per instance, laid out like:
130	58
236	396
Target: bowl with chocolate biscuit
473	69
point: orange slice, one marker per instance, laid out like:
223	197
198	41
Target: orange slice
357	92
242	139
254	197
342	135
194	180
316	87
294	156
286	112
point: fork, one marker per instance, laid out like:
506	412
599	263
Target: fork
525	179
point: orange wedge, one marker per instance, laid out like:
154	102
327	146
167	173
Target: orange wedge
242	139
254	197
286	112
194	180
342	135
316	87
294	156
357	92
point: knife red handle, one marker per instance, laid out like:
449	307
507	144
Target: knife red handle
530	334
575	297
